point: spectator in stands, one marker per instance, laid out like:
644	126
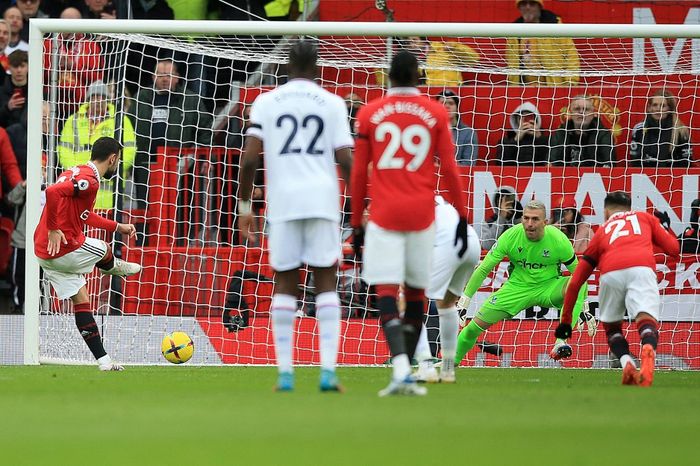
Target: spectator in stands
353	103
662	139
79	61
526	143
284	10
244	10
13	17
94	119
18	137
507	211
10	177
433	55
545	54
98	9
582	140
54	8
690	238
30	9
13	94
465	138
166	115
151	9
4	60
568	219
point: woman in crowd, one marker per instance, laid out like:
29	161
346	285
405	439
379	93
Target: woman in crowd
662	139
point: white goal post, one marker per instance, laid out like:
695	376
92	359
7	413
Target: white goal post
368	55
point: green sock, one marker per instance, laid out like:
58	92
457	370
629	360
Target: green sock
466	340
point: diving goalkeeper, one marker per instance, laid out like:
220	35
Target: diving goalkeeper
536	252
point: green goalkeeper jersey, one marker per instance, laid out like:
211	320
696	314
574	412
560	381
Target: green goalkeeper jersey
531	262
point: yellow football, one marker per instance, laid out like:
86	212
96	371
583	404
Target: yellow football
177	347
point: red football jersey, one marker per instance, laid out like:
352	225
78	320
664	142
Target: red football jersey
69	204
627	239
401	135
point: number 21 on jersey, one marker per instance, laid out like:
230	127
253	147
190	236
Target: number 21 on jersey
413	140
621	227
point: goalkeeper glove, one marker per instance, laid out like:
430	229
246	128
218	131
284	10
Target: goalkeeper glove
463	302
563	331
589	320
358	240
462	234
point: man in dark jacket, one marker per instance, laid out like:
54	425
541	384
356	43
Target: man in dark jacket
582	140
166	115
13	94
525	144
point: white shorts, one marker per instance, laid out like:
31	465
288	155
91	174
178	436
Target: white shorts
397	257
311	241
448	271
634	289
67	273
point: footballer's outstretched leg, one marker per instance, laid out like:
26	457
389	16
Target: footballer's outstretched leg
621	349
648	329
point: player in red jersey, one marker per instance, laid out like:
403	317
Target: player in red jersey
66	254
623	250
401	135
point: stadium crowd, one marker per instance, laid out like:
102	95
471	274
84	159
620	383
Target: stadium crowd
182	100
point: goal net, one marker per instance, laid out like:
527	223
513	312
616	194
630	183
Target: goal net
178	97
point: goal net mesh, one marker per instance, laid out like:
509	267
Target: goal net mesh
179	105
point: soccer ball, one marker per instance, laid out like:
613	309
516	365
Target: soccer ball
177	347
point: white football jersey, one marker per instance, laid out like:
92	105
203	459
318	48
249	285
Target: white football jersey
301	125
446	220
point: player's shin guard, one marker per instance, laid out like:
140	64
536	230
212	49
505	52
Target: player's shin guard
88	329
648	332
467	340
413	318
328	315
616	341
283	313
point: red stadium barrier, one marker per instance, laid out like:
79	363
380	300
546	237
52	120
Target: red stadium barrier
525	343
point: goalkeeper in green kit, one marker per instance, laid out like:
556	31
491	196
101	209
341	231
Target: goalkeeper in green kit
536	252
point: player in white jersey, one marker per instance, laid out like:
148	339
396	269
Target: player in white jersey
449	274
304	132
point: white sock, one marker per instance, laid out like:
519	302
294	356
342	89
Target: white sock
449	327
423	347
105	360
328	315
401	366
625	358
559	342
283	311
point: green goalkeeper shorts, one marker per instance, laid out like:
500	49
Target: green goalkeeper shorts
507	302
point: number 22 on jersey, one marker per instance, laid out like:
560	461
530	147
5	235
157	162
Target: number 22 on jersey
621	227
414	140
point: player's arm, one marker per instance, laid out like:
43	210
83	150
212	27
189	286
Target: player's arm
54	193
343	144
448	167
581	274
492	259
665	240
250	161
358	180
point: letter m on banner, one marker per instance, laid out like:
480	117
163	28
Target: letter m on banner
667	59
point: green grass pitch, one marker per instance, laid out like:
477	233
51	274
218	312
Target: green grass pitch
56	415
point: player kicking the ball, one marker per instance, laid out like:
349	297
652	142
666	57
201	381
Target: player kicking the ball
622	249
400	135
304	131
66	254
536	252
